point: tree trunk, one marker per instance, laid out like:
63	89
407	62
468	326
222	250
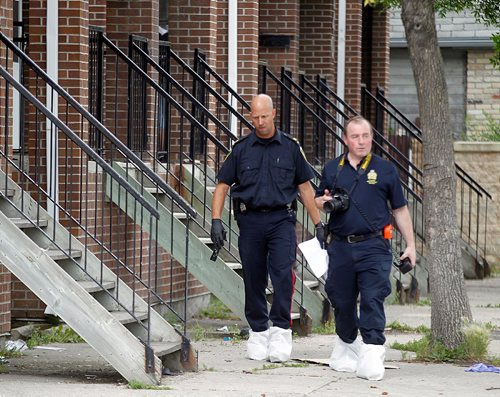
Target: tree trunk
450	304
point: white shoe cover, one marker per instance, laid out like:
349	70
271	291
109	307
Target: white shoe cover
344	356
371	362
280	344
257	345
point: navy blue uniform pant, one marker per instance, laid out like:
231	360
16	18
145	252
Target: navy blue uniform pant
267	246
362	269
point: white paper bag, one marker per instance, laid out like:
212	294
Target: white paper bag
316	257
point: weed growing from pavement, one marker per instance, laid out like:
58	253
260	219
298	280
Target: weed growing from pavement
198	333
10	353
490	306
6	354
57	334
397	326
266	367
473	348
423	302
135	384
327	328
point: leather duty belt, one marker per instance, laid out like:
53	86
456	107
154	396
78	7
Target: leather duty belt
356	238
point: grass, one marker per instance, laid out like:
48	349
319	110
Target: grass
134	384
217	310
57	334
198	333
327	328
5	354
473	348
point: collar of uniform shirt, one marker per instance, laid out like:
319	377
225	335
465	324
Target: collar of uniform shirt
359	164
255	139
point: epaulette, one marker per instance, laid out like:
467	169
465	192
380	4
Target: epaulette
291	138
241	139
297	142
234	144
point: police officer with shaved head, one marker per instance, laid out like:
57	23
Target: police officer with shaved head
265	171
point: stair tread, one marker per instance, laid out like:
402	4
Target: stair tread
164	348
153	190
10	192
234	265
124	317
57	254
23	223
91	286
311	283
180	215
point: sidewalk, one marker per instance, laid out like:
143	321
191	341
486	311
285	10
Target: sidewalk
224	371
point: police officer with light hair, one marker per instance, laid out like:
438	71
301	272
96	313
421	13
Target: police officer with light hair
361	191
265	171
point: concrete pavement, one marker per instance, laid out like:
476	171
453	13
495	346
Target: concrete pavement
224	371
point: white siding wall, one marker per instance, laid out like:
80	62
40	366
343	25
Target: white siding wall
403	94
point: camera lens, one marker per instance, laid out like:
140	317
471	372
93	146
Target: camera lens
329	206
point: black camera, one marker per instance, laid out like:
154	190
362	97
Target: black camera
338	203
404	266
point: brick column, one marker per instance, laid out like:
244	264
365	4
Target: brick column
380	51
318	40
248	45
353	53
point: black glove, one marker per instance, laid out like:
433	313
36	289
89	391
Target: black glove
321	233
217	234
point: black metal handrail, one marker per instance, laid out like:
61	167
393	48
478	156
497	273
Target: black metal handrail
305	99
34	185
183	120
175	84
198	108
471	219
88	177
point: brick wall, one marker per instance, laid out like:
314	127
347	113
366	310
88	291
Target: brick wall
472	156
318	48
193	24
280	18
97	13
5	299
127	17
482	91
5	276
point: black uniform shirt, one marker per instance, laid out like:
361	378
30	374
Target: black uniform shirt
378	188
265	172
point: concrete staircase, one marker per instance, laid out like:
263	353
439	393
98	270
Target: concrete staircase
86	294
